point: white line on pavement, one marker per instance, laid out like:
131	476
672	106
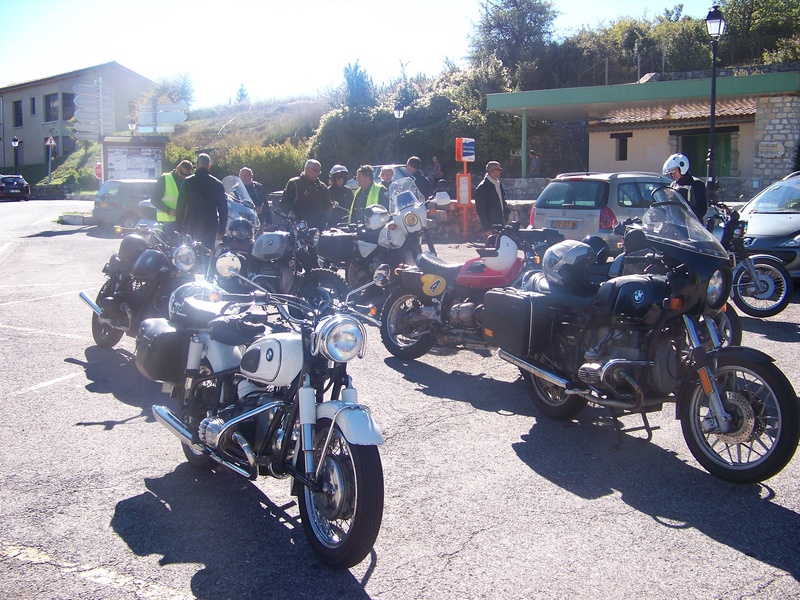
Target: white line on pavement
40	298
45	332
45	384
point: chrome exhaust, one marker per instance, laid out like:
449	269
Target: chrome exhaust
540	373
91	304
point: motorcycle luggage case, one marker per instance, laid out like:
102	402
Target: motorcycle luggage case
515	320
161	351
336	245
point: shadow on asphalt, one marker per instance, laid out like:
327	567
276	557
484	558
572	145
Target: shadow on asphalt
61	232
249	546
579	457
112	371
771	330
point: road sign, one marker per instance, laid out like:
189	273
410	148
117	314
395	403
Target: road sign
93	102
83	88
158	129
87	136
93	127
161	118
465	150
161	107
50	141
98	170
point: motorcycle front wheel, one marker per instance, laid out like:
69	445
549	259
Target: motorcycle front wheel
765	429
103	334
400	334
550	399
767	296
322	287
342	520
729	326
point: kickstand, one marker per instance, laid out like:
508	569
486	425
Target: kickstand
619	429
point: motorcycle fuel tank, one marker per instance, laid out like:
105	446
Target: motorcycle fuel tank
271	245
149	264
634	298
475	274
274	360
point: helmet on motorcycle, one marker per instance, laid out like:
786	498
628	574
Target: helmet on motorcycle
240	229
131	246
600	247
200	290
676	160
338	170
506	254
376	216
565	263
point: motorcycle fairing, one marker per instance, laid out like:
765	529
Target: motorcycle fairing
474	274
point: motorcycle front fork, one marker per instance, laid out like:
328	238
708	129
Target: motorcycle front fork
720	419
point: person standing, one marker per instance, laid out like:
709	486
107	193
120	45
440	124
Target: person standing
368	193
202	209
258	195
165	194
693	190
387	176
307	197
490	199
341	195
436	172
414	166
533	164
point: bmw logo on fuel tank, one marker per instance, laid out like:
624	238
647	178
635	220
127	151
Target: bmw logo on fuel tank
638	296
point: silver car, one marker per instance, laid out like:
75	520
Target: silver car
581	204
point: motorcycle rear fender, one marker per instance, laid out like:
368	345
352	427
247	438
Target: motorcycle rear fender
354	420
742	352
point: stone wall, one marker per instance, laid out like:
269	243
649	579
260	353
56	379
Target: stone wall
777	137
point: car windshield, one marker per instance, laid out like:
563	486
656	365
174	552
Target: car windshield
780	197
580	194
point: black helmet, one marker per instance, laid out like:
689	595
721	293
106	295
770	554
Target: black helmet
240	229
338	170
600	247
131	246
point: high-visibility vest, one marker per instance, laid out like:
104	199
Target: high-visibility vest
372	198
170	198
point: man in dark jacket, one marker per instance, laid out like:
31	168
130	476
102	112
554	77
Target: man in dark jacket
414	166
693	190
307	197
490	199
258	195
202	209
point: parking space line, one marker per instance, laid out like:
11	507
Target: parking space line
45	332
41	298
62	283
44	384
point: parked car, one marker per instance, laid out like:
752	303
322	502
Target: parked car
581	204
772	222
14	187
117	201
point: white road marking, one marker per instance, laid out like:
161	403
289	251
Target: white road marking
45	332
41	298
57	283
5	247
45	384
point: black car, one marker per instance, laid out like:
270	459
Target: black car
14	187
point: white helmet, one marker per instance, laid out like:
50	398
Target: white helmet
506	255
676	160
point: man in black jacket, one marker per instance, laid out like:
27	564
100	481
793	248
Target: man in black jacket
414	166
202	209
490	199
693	190
307	197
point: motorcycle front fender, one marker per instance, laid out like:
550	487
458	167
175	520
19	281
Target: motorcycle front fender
766	257
354	420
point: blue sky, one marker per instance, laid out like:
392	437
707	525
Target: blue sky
276	49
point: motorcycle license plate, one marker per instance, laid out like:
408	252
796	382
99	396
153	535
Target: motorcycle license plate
15	191
565	224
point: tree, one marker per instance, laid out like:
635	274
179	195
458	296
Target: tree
359	91
177	88
241	95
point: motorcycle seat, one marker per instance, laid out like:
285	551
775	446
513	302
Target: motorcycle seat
559	296
429	263
197	314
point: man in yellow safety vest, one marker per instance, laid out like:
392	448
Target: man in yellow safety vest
367	194
165	194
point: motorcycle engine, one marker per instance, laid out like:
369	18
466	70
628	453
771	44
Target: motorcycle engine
464	314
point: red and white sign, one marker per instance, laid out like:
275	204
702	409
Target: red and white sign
98	170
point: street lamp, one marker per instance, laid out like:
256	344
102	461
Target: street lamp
715	23
132	126
15	144
398	114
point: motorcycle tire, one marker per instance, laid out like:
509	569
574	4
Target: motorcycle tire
766	422
342	520
191	412
729	326
775	293
322	288
394	317
103	334
550	399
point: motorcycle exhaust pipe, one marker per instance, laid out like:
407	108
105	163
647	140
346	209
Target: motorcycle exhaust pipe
91	304
540	373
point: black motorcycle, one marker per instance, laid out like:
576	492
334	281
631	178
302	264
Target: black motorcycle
636	341
141	276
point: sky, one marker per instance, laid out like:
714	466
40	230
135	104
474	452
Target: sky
276	49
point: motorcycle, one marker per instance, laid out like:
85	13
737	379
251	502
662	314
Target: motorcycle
250	374
149	265
634	342
436	303
282	261
392	237
762	287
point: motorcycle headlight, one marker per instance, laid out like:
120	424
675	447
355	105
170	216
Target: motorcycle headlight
183	257
228	264
717	290
411	219
339	338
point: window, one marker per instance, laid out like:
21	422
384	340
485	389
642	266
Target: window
51	107
628	195
33	106
67	106
622	145
17	108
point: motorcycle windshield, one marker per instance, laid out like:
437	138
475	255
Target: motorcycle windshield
398	198
671	223
236	190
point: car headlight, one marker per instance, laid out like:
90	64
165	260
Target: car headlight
184	258
339	338
792	243
717	290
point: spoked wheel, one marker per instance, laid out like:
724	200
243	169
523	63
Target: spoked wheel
768	295
729	326
765	430
103	334
342	520
405	330
191	411
322	288
551	400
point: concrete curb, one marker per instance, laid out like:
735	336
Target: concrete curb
75	220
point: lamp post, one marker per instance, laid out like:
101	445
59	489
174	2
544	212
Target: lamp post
398	114
15	144
715	23
132	126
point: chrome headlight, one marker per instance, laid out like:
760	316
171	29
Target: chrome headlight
717	290
228	264
339	338
183	257
411	220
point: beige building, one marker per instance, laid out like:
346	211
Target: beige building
34	111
